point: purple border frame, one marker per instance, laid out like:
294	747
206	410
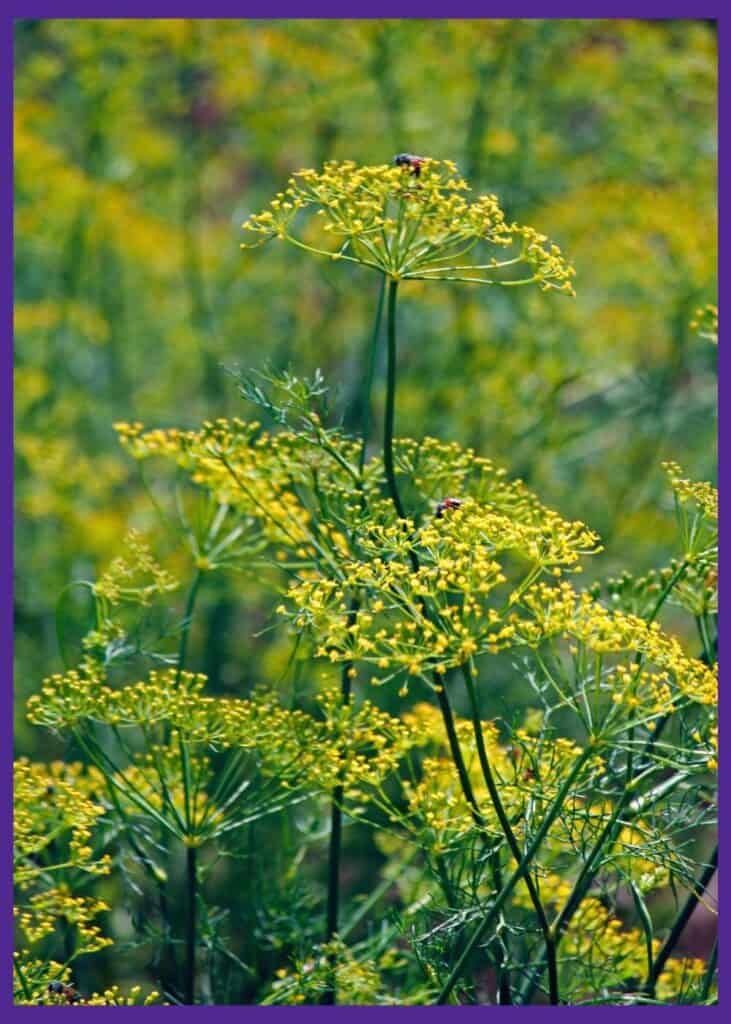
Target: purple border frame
273	9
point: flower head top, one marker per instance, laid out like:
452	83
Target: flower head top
410	227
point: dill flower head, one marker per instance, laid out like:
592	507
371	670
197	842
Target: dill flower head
702	495
410	227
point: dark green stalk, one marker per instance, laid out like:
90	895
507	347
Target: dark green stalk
190	923
680	922
336	839
477	817
519	873
454	748
497	803
187	619
388	422
369	375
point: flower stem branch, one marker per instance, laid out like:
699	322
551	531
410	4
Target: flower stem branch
523	866
191	872
548	936
388	422
369	375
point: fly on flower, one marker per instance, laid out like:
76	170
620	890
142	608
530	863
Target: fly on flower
445	505
58	988
414	163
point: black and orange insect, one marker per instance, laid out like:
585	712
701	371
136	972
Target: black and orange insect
445	504
58	988
414	163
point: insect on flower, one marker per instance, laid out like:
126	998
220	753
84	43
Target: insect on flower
58	988
409	160
445	504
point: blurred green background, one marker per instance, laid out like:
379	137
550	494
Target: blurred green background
141	146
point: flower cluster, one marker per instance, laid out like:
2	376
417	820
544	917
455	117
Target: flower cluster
354	747
410	227
55	816
557	610
690	492
455	605
134	576
257	474
47	983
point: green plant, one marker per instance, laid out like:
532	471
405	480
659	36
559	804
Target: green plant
514	841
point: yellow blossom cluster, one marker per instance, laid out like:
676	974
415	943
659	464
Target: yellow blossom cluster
47	983
135	575
356	746
682	980
53	804
454	606
410	226
256	474
282	482
352	746
558	610
54	819
702	494
113	996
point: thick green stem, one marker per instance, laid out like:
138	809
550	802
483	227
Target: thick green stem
187	620
191	870
336	838
388	422
456	752
497	803
388	419
368	379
